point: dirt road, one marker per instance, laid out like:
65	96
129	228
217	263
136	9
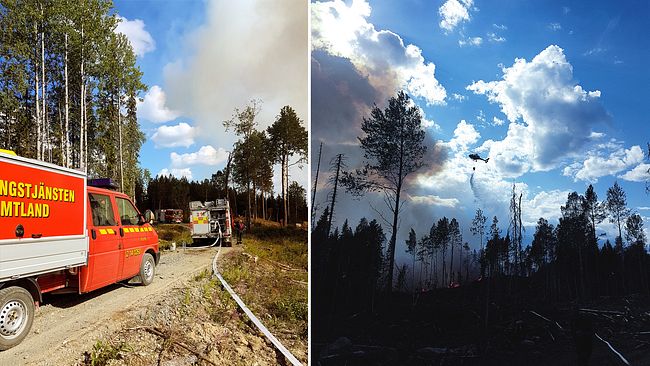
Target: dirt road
66	324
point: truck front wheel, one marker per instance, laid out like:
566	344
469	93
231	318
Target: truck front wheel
147	269
16	315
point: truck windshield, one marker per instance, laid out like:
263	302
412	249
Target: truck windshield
102	209
128	214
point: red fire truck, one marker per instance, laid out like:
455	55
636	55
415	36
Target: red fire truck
60	234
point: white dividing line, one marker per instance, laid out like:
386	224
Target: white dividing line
252	316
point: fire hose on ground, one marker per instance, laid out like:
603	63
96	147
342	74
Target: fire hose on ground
294	361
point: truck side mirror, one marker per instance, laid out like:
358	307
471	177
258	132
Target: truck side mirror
148	216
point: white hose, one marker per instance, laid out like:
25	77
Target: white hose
294	361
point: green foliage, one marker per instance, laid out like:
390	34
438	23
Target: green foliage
104	352
202	275
285	245
236	272
298	201
289	307
287	137
56	38
634	230
243	119
168	233
617	207
224	306
393	148
187	297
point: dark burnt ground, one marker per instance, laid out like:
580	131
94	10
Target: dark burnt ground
447	327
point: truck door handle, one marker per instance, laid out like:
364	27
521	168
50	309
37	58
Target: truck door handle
121	231
37	235
93	233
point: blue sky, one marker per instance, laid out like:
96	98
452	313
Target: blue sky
202	59
553	92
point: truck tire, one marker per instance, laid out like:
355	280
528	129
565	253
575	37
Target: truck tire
147	269
16	316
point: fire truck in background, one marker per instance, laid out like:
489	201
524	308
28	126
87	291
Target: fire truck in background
169	216
61	234
211	220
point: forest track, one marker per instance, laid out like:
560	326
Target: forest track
67	324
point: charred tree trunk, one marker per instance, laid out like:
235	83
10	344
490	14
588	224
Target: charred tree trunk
313	195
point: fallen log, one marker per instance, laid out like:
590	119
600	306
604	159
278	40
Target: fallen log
617	353
603	311
547	319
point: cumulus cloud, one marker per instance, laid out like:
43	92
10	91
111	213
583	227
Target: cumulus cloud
140	39
544	204
551	117
181	134
454	12
243	50
433	200
640	173
497	121
464	135
428	123
378	55
458	97
555	26
594	51
153	107
599	165
207	155
493	37
178	173
470	41
596	135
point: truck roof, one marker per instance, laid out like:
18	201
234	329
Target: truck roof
92	189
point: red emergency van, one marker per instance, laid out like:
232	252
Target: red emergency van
58	234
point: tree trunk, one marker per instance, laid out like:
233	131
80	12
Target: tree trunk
38	102
66	133
393	237
451	263
285	182
119	128
460	264
43	92
444	266
336	183
248	212
313	195
82	107
61	140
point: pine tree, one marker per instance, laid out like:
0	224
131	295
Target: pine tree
289	137
393	149
411	248
617	208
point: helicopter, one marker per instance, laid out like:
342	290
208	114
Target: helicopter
476	157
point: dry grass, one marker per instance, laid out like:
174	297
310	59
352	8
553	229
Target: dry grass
168	233
274	285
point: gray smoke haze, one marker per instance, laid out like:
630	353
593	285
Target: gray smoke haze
245	50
